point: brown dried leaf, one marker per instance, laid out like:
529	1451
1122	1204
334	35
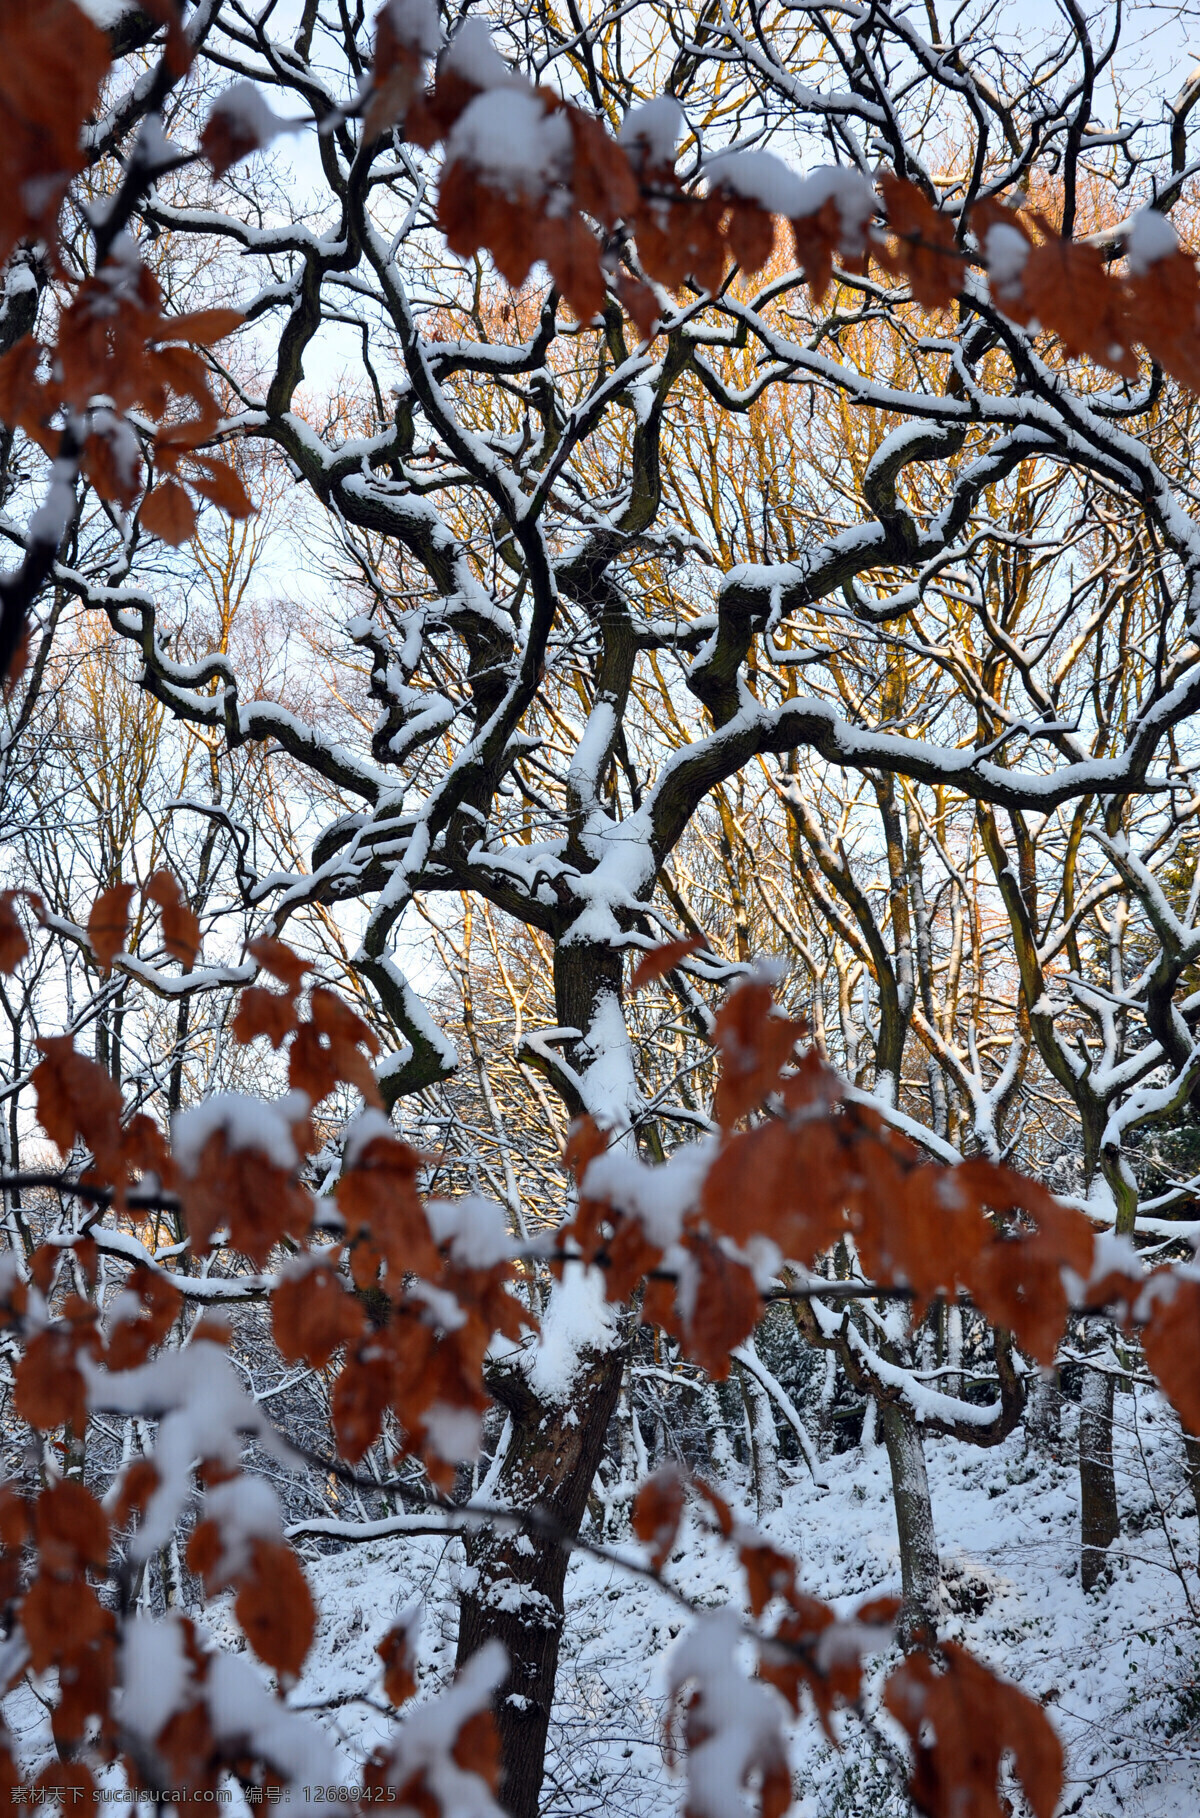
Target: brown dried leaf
639	303
337	1035
660	960
280	960
769	1573
723	1306
602	182
180	925
361	1396
201	328
275	1608
13	942
1065	286
108	923
132	1338
222	486
261	1203
60	1615
1171	1342
179	46
572	253
239	123
398	1655
138	1484
961	1721
817	238
754	1044
811	1660
77	1098
312	1315
750	232
657	1513
1016	1277
53	59
70	1528
262	1012
167	512
1163	312
385	1219
49	1390
112	466
396	72
923	250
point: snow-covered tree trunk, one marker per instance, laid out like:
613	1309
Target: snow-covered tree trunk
1191	1450
1043	1412
920	1568
512	1590
764	1446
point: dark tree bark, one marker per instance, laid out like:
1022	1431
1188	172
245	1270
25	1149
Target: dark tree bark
516	1580
920	1568
1100	1522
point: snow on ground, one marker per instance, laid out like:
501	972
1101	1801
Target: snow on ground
1120	1671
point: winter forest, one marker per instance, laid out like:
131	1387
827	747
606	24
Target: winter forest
600	907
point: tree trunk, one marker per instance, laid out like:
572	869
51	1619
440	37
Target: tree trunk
764	1445
1191	1449
1043	1412
1100	1522
513	1588
920	1568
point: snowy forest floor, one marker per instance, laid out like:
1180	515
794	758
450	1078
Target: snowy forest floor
1119	1670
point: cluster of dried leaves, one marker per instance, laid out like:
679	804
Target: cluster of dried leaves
121	393
401	1322
961	1720
401	1318
629	193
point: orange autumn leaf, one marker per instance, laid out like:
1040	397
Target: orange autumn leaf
399	1664
76	1098
1064	286
361	1397
222	486
312	1315
261	1012
261	1203
48	1386
138	1483
660	960
167	512
1171	1342
13	942
201	327
70	1527
962	1720
755	1043
275	1607
180	925
239	123
720	1310
750	232
280	960
657	1513
60	1615
108	923
53	59
923	249
402	43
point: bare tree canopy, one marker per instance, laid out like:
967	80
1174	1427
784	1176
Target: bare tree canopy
602	899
